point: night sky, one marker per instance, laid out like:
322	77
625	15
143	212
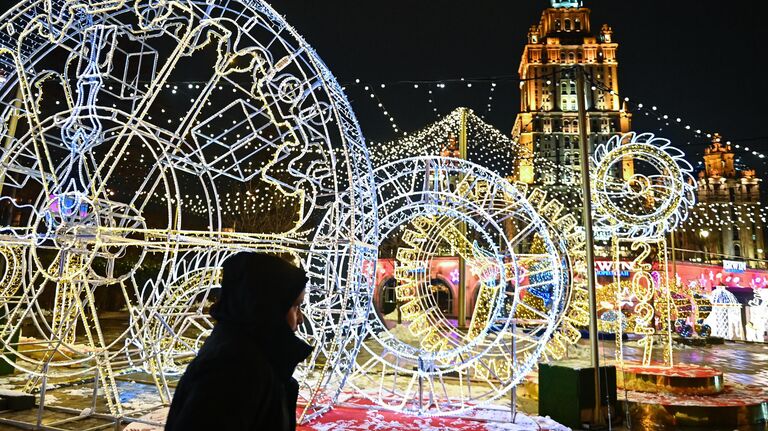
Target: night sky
699	60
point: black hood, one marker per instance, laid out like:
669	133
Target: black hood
257	290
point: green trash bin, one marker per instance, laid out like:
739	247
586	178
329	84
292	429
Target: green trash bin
567	391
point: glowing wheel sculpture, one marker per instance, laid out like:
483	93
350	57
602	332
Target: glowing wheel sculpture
432	366
115	179
638	211
655	200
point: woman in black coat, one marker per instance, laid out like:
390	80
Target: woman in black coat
242	377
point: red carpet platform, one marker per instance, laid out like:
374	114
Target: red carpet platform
736	406
362	419
354	419
359	415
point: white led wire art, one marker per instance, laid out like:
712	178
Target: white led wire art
725	317
443	206
638	211
758	315
114	178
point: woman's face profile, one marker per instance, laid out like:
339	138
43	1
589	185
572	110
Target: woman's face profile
295	316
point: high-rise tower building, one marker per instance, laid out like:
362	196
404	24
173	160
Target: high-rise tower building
548	121
727	222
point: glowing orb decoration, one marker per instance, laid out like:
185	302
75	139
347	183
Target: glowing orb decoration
142	143
656	198
430	363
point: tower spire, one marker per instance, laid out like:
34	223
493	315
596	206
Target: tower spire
566	3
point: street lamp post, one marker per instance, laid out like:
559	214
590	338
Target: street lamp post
597	416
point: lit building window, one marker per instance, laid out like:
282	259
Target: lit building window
605	125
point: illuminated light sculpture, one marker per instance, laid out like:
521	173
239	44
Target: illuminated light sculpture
637	213
725	317
114	180
430	365
495	151
568	236
758	315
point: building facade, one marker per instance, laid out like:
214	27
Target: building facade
548	123
726	223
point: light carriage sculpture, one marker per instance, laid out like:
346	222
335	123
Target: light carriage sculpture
114	178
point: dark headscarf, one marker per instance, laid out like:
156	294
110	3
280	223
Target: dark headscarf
252	345
257	290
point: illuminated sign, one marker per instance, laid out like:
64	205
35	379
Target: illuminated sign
607	268
734	266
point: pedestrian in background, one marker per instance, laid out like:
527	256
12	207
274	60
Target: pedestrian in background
242	377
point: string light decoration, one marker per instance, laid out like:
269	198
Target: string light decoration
115	177
668	119
437	204
608	309
638	211
490	148
714	216
487	147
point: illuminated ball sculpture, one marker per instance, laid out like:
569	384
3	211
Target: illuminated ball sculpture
117	177
655	200
430	365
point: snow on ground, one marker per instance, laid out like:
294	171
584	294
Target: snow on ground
157	416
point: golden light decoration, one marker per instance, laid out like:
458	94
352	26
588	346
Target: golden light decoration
650	293
637	212
655	200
